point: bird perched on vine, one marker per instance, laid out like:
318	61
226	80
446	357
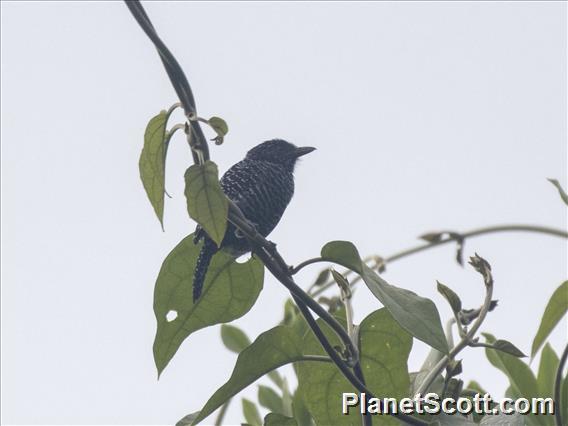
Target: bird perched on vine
261	185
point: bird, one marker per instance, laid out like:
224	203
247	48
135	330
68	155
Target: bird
261	185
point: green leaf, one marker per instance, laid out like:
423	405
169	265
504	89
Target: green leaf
275	419
187	420
252	416
322	278
342	282
547	371
452	298
219	126
301	413
272	349
475	386
560	190
417	315
343	253
508	347
152	163
234	338
229	292
206	202
384	347
555	310
286	398
268	398
522	380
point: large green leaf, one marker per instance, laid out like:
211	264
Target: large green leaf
272	349
234	338
152	163
547	371
521	378
385	347
555	310
206	202
417	315
229	292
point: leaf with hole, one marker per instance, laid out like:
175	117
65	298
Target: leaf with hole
229	292
206	201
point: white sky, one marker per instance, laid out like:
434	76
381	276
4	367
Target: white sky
426	116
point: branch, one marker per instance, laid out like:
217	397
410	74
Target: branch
175	73
449	239
484	269
558	388
265	250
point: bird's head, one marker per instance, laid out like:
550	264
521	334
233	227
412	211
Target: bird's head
278	151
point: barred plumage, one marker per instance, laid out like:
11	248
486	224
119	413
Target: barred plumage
261	185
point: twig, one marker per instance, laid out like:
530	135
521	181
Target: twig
470	234
483	268
558	387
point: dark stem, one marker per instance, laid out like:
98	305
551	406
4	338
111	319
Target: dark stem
300	295
175	73
558	388
305	263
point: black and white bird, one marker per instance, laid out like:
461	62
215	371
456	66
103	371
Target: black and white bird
261	185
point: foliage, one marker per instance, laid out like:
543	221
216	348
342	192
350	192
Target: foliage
331	355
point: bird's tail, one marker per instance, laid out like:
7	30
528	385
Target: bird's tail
203	260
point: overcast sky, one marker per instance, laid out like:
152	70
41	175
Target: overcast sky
426	116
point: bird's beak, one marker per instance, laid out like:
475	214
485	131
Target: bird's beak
303	150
